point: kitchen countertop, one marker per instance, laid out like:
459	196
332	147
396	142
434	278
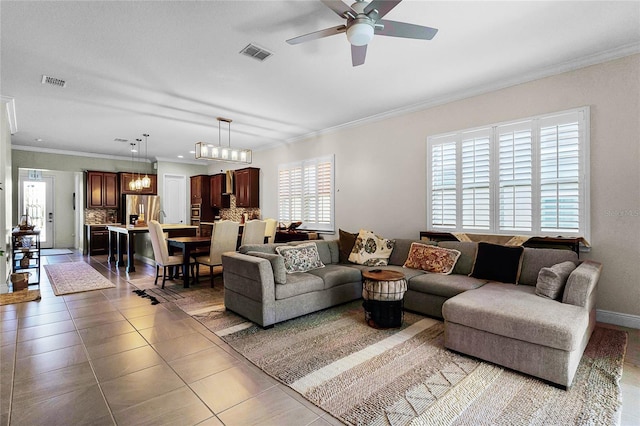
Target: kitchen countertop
102	224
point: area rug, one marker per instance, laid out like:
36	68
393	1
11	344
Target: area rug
55	252
75	277
405	376
19	297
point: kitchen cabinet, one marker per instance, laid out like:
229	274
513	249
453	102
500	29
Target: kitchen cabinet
125	178
217	187
247	183
102	190
98	239
200	200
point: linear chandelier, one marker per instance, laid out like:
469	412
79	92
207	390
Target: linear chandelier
207	151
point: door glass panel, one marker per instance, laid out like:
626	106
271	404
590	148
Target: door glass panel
35	202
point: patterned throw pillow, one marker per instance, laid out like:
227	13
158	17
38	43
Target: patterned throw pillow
433	259
300	258
371	250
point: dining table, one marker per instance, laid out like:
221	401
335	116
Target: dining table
187	245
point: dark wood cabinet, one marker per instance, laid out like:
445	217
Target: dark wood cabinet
102	190
199	189
247	183
125	178
98	239
217	187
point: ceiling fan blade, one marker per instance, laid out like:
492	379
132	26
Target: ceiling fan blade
318	34
382	6
358	53
339	7
402	29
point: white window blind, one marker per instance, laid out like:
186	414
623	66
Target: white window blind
523	177
305	193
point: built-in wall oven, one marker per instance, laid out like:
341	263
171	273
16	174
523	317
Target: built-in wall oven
196	210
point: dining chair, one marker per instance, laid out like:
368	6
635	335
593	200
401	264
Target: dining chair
224	238
270	230
161	252
253	232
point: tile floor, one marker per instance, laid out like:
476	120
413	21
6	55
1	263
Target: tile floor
109	357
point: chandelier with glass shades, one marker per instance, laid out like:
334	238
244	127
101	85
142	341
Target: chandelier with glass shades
137	183
207	151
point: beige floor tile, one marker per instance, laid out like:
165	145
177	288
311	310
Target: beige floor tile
94	335
211	421
178	407
202	364
94	320
182	346
8	337
232	386
273	407
49	343
166	331
92	310
30	309
630	386
29	392
8	325
123	363
159	317
35	365
83	406
115	344
44	319
141	310
135	388
8	315
96	298
45	330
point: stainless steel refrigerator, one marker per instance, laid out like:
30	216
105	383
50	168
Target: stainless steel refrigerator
134	207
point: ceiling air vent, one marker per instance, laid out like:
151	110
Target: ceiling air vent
256	52
120	140
53	81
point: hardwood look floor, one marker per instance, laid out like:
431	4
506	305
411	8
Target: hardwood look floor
110	357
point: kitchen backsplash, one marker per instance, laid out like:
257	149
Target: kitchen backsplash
99	216
235	213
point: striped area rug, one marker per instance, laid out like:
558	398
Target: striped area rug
405	376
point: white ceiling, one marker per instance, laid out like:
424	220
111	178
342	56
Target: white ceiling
170	68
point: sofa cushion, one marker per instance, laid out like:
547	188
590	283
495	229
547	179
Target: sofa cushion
277	264
467	255
346	241
437	260
497	263
401	250
551	280
298	284
335	275
444	285
534	259
262	248
300	258
371	250
517	312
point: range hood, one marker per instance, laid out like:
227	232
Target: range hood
229	182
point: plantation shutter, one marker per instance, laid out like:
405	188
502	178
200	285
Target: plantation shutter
290	194
560	173
515	166
443	184
476	174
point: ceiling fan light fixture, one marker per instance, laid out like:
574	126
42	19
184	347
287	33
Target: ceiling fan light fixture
360	33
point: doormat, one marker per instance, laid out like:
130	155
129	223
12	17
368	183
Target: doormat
19	297
54	252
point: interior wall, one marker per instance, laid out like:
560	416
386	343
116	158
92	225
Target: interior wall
6	192
380	176
181	169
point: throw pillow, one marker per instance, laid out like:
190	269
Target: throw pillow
497	263
551	280
300	258
433	259
371	250
346	242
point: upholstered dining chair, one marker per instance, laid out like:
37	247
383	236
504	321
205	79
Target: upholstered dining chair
270	229
253	232
161	252
224	238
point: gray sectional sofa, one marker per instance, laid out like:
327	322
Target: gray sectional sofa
506	324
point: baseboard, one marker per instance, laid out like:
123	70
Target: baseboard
624	320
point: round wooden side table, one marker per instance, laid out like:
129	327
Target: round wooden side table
383	294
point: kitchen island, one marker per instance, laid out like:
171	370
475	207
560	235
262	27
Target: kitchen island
122	240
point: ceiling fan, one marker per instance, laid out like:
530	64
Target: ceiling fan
363	21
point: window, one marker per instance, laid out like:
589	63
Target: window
525	177
305	193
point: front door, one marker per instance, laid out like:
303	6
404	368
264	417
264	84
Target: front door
37	202
174	199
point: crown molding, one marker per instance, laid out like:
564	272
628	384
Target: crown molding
75	153
582	62
11	113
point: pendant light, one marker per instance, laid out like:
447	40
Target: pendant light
138	181
146	181
132	182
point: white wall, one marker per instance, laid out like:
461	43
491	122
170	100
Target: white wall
5	198
381	166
